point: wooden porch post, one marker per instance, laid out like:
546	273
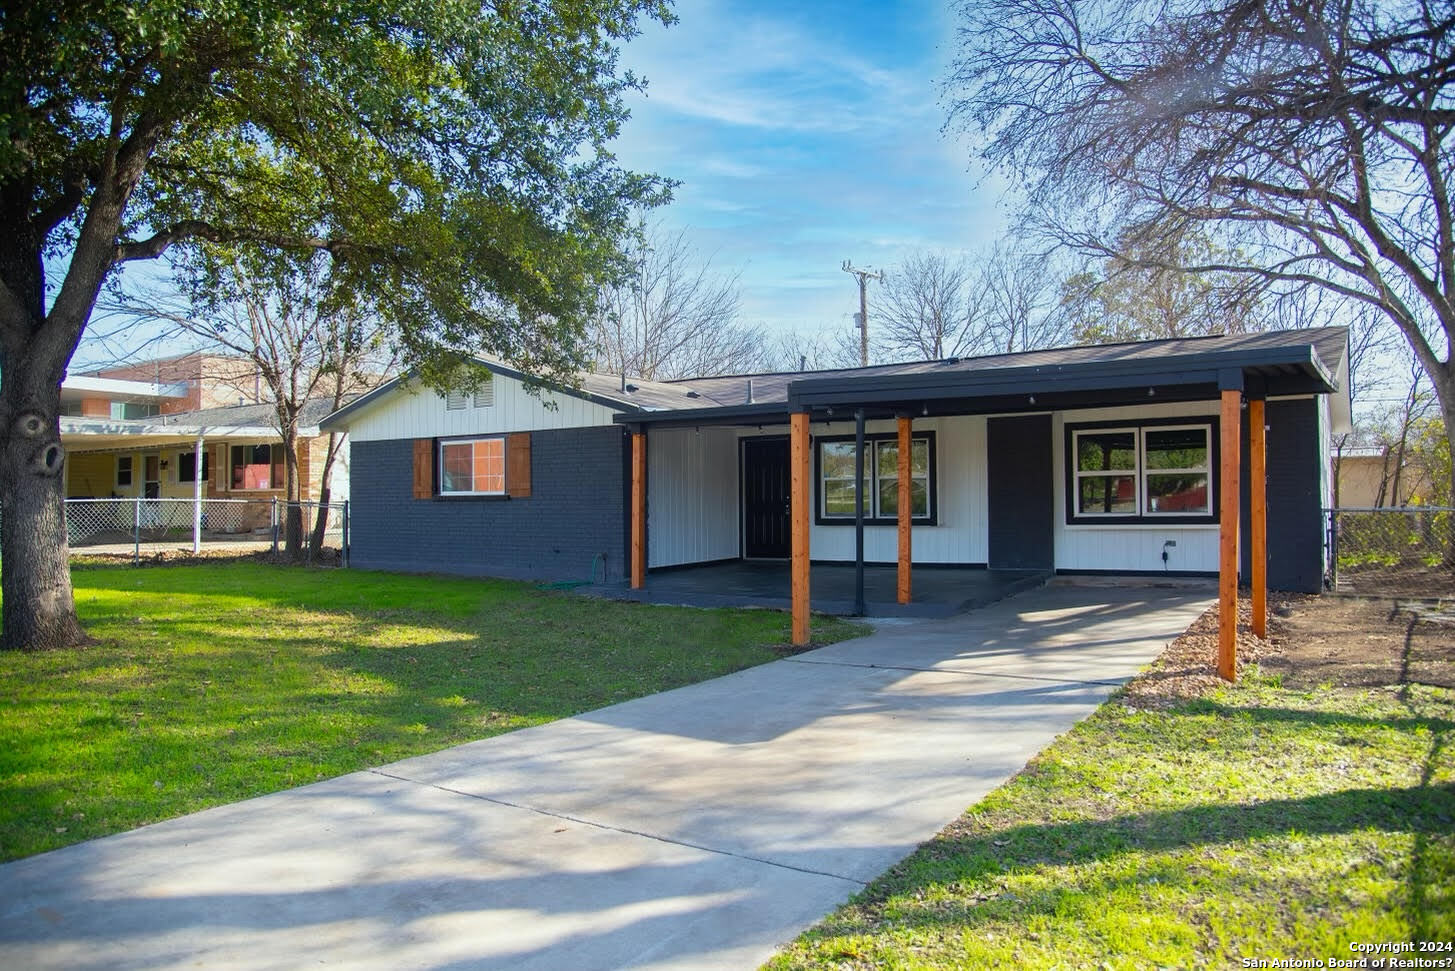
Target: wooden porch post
1258	514
639	510
906	511
1228	536
799	481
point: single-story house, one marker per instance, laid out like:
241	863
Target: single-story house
1096	459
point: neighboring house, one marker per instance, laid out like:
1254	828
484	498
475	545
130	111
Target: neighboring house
1088	459
134	438
1366	478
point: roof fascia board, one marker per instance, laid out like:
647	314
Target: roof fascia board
715	414
1087	375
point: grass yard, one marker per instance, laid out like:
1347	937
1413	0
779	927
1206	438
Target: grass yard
211	683
1309	807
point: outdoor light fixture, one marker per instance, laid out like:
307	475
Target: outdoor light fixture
1033	399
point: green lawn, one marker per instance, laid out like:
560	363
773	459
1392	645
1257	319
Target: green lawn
212	683
1257	822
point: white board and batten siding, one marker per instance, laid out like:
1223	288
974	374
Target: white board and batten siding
692	495
420	412
1137	548
694	504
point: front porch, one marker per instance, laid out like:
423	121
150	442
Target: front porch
939	591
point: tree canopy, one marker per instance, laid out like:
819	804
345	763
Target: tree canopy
1310	141
451	156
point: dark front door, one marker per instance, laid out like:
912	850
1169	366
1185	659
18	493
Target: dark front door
765	498
1022	500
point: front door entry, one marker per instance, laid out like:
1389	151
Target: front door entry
766	498
152	477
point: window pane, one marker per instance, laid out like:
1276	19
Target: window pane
919	458
1103	451
490	466
888	461
838	498
1177	448
837	460
919	497
455	468
1177	493
889	497
1107	494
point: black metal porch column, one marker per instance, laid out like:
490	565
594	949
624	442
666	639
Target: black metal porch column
859	512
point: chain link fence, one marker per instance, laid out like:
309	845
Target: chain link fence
1400	552
159	528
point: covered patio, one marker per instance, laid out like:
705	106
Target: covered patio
939	591
1023	400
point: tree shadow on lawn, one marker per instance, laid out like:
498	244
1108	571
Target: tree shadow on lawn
970	850
959	857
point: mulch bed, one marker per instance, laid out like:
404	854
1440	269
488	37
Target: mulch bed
1313	642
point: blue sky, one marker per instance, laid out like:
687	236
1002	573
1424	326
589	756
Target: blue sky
805	134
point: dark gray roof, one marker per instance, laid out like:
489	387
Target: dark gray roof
1315	353
732	390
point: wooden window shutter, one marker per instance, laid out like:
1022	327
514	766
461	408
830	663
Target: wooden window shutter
424	468
517	465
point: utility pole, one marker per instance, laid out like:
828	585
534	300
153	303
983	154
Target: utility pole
864	275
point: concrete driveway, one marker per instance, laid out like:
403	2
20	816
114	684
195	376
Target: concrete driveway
698	828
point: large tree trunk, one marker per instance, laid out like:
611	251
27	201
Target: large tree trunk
293	509
325	489
35	574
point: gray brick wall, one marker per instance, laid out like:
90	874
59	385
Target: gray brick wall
574	513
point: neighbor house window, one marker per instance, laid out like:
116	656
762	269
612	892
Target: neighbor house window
123	470
1140	472
132	410
257	466
472	467
187	466
880	493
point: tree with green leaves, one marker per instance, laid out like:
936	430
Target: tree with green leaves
1312	142
451	157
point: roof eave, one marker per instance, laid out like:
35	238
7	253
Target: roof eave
336	419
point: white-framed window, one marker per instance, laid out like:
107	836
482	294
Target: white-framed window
123	471
881	479
1131	472
485	394
455	401
472	467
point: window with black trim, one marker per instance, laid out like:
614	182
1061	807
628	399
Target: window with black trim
1158	471
834	458
472	467
123	470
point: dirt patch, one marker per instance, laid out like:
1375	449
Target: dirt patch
1312	641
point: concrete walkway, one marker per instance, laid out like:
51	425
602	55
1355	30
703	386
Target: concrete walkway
699	828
